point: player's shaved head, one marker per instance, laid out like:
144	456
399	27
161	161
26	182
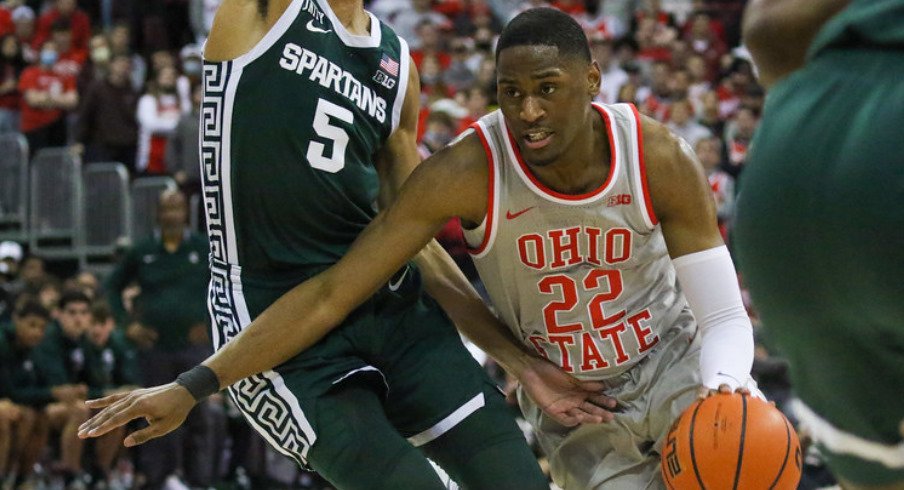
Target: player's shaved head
545	27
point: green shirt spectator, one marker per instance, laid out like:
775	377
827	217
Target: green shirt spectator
171	268
110	359
27	377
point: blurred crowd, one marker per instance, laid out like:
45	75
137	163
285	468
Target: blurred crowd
120	81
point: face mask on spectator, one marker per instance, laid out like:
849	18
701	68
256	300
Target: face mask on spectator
192	68
100	55
48	57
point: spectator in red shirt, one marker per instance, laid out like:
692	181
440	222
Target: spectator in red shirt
6	20
46	96
67	11
11	66
71	58
655	99
431	44
734	86
704	40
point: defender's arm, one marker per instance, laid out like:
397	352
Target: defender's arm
442	277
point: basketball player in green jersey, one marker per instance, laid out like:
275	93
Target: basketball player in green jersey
820	226
616	212
309	117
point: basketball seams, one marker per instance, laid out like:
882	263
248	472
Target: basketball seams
787	454
737	476
692	447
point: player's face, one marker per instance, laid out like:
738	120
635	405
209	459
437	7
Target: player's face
545	99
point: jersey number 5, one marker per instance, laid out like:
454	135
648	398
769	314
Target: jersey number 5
335	134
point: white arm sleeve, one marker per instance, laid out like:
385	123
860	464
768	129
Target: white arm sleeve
710	285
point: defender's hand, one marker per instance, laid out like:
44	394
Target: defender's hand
164	408
564	398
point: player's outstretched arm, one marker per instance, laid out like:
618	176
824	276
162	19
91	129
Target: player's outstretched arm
302	316
779	32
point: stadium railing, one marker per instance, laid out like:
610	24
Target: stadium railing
13	187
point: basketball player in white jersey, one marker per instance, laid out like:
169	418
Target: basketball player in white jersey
583	221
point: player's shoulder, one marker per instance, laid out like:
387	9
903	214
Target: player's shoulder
664	152
239	25
673	173
464	155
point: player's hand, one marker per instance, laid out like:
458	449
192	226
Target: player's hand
566	399
725	389
164	408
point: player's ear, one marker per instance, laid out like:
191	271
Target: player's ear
593	79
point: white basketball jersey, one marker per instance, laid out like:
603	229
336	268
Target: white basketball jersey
585	280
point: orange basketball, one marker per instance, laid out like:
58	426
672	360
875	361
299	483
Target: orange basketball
731	442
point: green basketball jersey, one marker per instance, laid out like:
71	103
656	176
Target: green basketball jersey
290	131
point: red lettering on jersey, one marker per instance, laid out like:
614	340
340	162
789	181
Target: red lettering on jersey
560	247
598	318
593	244
534	339
562	341
641	331
613	333
569	299
591	359
618	245
534	256
618	200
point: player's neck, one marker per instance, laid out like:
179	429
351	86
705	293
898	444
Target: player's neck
585	166
352	16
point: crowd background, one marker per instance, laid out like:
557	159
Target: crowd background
119	80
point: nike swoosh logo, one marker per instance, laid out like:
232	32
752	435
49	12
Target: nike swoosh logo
311	27
511	215
394	286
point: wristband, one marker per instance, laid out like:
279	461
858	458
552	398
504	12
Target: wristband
200	381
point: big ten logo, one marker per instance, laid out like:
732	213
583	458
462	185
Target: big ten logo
618	200
383	79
